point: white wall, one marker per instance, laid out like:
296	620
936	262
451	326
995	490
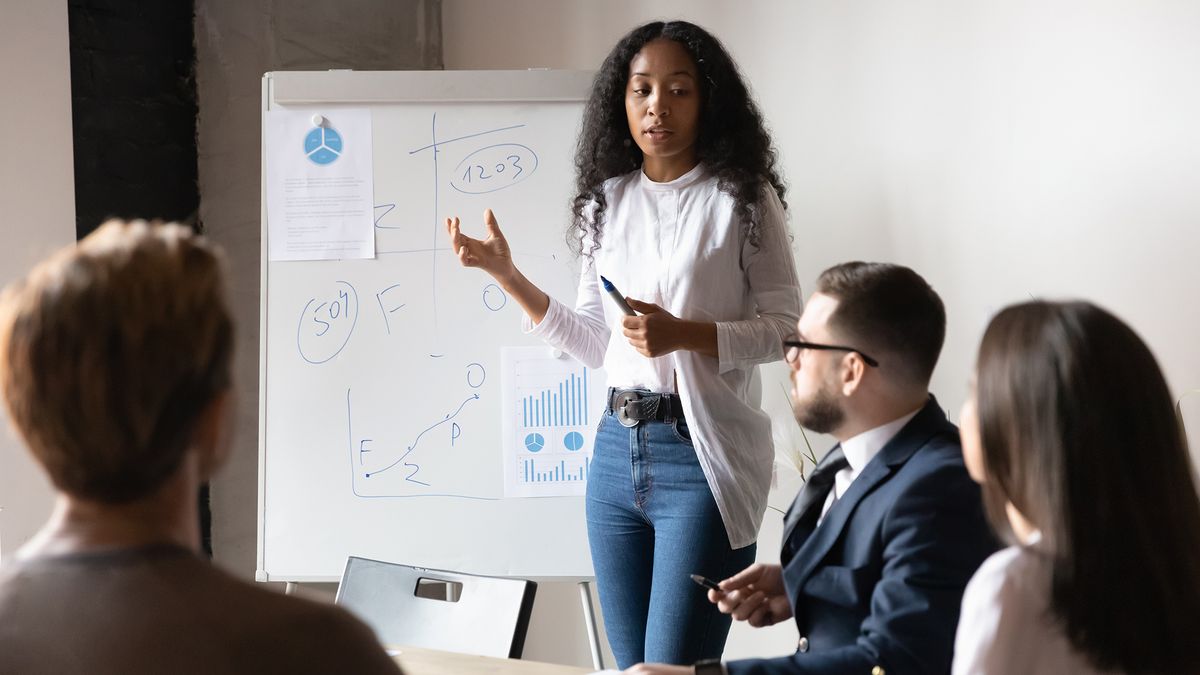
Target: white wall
37	191
1001	148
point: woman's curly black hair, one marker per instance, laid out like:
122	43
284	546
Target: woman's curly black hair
733	142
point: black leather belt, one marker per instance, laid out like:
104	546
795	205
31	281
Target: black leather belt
640	405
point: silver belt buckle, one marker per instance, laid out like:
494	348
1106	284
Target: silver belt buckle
622	400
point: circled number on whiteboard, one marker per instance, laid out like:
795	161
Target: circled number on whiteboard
493	168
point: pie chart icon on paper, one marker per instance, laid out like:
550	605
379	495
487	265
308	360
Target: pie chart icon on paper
573	441
323	145
534	442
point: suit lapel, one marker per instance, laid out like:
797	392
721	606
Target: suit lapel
809	553
814	549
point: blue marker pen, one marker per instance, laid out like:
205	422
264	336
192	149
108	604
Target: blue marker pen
617	297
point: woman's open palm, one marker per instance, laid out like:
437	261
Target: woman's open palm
492	254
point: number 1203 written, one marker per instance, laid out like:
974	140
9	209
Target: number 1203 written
478	172
494	168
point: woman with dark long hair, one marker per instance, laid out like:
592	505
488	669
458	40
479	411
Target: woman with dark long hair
1085	471
680	206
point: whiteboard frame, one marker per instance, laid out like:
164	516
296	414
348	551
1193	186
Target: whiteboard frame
368	88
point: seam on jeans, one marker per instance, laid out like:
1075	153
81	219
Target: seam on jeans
632	435
639	435
648	473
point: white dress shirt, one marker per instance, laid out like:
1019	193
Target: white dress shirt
860	450
1005	626
680	245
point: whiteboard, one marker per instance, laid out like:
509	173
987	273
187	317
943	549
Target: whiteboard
380	432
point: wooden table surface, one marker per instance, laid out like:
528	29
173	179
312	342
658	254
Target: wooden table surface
417	661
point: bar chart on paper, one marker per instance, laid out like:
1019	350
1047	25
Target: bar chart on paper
552	405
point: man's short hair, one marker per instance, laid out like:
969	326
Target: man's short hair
110	351
888	310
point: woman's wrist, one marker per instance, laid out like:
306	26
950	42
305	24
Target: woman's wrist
698	336
508	278
532	299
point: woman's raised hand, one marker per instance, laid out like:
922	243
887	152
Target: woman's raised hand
492	254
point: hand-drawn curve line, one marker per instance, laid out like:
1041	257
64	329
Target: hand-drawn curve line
447	418
300	327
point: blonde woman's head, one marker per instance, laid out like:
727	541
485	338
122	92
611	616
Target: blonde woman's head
111	352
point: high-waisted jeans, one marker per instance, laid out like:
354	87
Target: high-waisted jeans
652	522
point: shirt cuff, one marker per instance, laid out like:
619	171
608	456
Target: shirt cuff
725	360
545	328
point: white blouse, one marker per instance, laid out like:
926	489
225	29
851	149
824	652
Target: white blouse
680	245
1005	626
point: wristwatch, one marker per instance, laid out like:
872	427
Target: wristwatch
710	667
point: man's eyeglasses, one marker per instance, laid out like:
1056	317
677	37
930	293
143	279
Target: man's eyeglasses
799	344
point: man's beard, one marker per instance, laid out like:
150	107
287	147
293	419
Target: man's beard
821	413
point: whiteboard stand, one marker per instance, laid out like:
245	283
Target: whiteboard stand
589	619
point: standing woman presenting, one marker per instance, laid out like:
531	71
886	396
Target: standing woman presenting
680	206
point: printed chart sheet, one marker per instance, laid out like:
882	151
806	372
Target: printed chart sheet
551	407
320	201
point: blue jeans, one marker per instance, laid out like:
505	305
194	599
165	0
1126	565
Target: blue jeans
652	522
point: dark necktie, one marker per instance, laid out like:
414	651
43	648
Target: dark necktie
813	494
816	488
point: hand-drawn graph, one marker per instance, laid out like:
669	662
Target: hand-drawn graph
551	407
386	463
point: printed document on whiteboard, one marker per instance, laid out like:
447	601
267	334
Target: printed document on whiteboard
551	406
320	186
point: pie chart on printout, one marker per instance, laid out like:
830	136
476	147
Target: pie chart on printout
323	145
534	442
573	441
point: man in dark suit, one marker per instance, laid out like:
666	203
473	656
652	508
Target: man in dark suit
881	541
